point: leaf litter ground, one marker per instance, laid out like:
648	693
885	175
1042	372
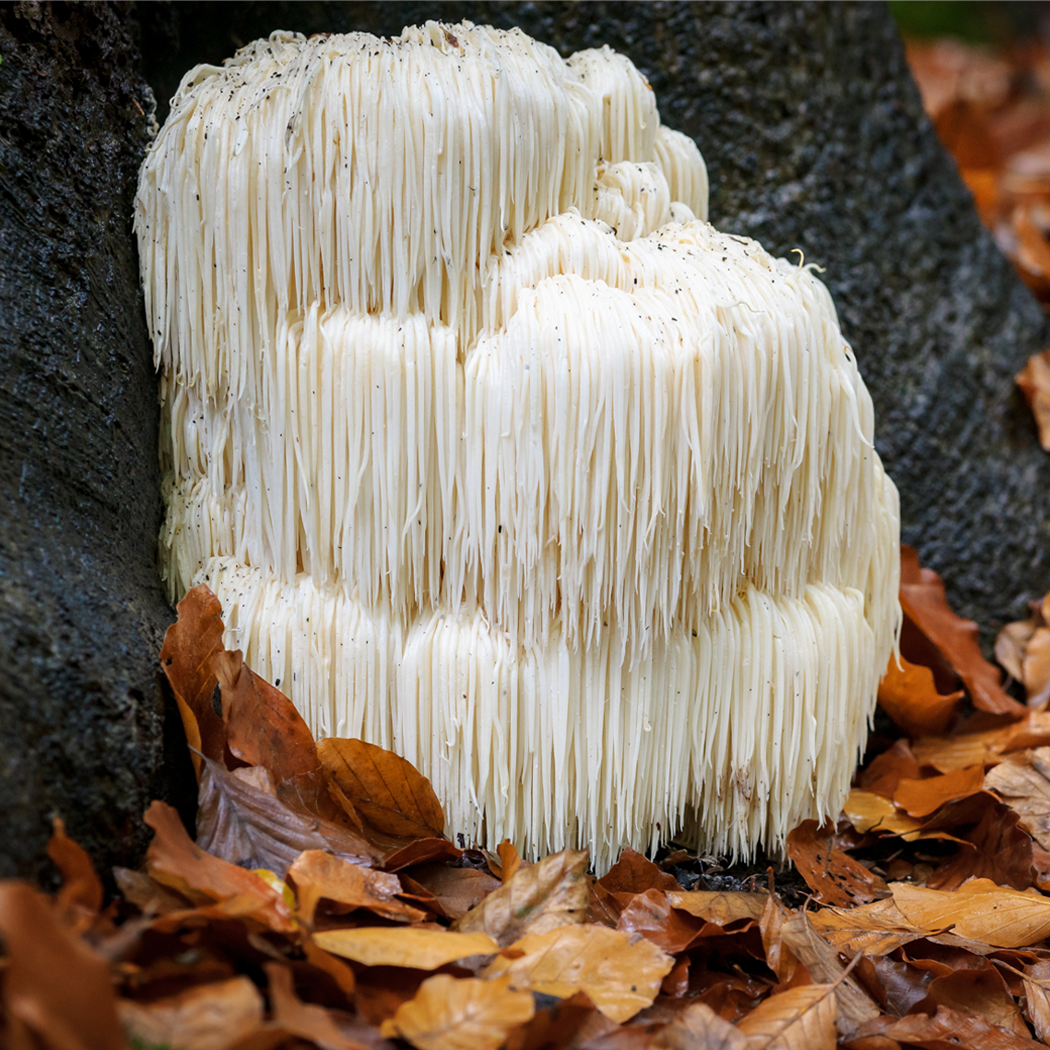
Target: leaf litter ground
320	903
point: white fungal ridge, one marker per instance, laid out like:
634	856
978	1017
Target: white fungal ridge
498	455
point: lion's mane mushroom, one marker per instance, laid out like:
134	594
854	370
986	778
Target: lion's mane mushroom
497	454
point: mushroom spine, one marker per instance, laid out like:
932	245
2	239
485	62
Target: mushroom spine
497	454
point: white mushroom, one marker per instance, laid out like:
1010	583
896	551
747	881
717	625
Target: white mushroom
497	454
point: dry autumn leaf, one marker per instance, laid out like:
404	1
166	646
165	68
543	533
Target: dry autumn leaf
720	907
1024	785
698	1027
635	873
81	887
317	874
621	975
919	798
291	1016
456	890
397	946
1037	998
801	1018
946	1028
652	915
204	1017
541	897
387	791
979	910
460	1014
834	877
909	696
978	990
876	929
1034	381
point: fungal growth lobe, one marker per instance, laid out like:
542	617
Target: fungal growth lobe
498	455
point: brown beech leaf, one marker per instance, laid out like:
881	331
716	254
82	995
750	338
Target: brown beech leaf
150	897
1034	381
885	771
980	910
946	1029
698	1027
995	849
55	991
203	1017
981	992
719	906
779	957
869	812
554	1026
387	791
923	601
909	696
175	861
460	1014
264	729
834	877
241	819
505	861
1010	645
317	874
621	977
457	889
652	915
542	897
1037	997
190	646
306	1020
1036	667
919	798
421	851
821	961
634	873
1023	783
80	885
400	946
801	1018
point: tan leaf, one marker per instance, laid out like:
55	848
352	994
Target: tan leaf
919	798
460	1014
542	897
834	877
80	885
875	929
980	910
801	1018
1010	646
1024	785
779	957
305	1020
1034	381
396	946
821	960
457	889
957	752
946	1028
317	874
175	861
719	907
1037	998
867	811
205	1017
698	1027
1036	667
620	975
908	695
386	790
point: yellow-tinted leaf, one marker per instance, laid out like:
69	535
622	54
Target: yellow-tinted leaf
420	949
317	874
957	752
386	790
542	897
621	976
919	798
980	910
908	695
720	908
205	1017
460	1014
1037	998
1025	787
875	929
698	1027
799	1019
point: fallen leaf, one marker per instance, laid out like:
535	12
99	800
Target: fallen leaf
867	811
460	1014
53	985
149	896
909	696
80	884
719	906
241	821
923	601
980	910
834	877
1034	381
505	861
387	791
421	851
1010	645
1036	667
1037	997
996	849
554	1026
968	749
779	957
698	1027
946	1029
620	975
305	1020
875	929
190	646
635	873
1024	785
801	1018
652	915
317	874
884	772
174	860
981	992
919	798
457	889
204	1017
542	897
398	946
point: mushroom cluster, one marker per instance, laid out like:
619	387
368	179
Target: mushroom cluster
497	454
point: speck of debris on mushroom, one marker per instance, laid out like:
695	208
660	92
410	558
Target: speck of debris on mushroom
498	455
